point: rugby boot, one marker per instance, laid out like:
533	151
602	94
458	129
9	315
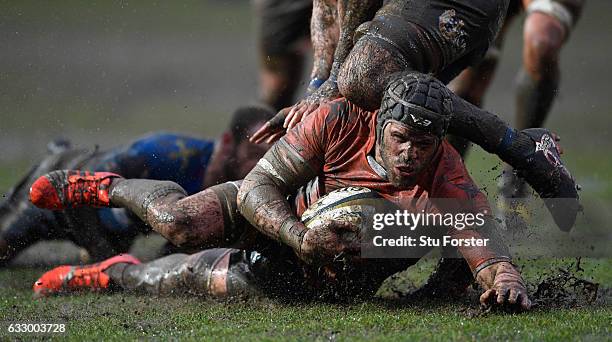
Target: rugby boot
64	189
543	169
67	278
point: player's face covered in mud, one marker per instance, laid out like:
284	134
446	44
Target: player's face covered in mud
405	152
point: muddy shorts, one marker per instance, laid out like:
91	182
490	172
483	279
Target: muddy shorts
437	36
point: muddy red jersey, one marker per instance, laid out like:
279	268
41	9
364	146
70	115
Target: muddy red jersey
337	139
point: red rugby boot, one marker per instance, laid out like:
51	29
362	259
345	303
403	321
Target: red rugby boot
63	189
79	278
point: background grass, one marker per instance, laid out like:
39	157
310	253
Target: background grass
104	72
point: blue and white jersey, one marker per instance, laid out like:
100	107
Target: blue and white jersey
161	156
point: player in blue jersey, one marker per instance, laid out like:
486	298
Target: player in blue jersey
193	163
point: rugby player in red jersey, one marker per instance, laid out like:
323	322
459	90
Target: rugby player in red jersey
399	152
439	37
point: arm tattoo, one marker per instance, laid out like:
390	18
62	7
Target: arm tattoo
351	14
333	26
324	30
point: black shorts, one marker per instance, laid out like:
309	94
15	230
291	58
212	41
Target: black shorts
435	36
282	24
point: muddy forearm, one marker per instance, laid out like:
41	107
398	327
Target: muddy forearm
351	14
324	30
262	198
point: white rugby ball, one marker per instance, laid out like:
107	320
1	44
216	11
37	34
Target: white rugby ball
356	205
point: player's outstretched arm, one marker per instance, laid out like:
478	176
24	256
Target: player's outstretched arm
503	285
533	152
492	268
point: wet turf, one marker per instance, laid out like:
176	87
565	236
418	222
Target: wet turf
119	316
102	73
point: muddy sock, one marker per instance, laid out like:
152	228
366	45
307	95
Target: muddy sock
138	194
115	272
534	99
151	277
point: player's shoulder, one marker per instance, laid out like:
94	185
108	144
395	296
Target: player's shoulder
341	113
451	160
339	109
452	178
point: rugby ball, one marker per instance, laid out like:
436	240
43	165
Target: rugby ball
356	205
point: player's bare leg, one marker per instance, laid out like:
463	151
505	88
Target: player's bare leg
280	77
282	39
538	80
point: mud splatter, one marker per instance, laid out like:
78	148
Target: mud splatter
565	288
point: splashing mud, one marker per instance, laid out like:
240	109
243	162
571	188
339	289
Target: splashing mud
565	288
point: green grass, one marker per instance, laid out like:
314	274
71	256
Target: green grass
37	98
128	316
119	316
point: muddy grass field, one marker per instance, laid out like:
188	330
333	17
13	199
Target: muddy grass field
572	315
104	73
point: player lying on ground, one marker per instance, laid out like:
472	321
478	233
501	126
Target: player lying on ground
399	152
194	164
443	37
546	29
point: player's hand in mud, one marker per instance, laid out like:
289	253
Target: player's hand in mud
503	286
323	243
327	91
